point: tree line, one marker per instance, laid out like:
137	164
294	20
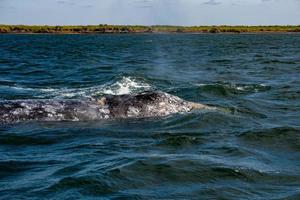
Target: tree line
104	28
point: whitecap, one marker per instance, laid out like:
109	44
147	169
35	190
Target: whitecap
125	85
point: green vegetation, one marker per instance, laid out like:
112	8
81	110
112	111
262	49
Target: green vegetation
104	28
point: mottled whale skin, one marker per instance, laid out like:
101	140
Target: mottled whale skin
141	105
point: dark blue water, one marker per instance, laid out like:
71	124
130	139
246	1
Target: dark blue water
251	150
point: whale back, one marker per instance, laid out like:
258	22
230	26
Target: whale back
142	105
50	110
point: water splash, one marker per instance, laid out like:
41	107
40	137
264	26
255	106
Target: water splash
127	85
123	85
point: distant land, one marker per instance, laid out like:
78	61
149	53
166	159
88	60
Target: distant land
104	28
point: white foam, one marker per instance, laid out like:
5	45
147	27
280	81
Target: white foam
240	88
16	88
47	90
126	85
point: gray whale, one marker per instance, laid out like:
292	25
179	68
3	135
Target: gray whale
141	105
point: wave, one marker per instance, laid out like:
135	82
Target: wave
93	186
12	167
187	168
183	140
127	85
276	61
24	140
225	89
123	85
279	137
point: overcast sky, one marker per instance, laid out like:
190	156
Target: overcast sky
150	12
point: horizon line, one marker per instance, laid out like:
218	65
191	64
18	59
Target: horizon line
144	25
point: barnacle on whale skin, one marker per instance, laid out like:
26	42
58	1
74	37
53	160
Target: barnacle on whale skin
141	105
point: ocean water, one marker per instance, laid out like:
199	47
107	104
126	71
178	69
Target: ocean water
249	150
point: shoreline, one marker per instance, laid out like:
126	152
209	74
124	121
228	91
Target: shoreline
150	33
120	29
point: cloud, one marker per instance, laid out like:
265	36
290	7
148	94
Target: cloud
143	1
86	6
143	4
149	12
66	2
212	2
8	7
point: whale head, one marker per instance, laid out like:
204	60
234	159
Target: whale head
146	104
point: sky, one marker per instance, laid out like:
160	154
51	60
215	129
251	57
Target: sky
150	12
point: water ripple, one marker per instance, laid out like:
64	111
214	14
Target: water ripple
247	148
